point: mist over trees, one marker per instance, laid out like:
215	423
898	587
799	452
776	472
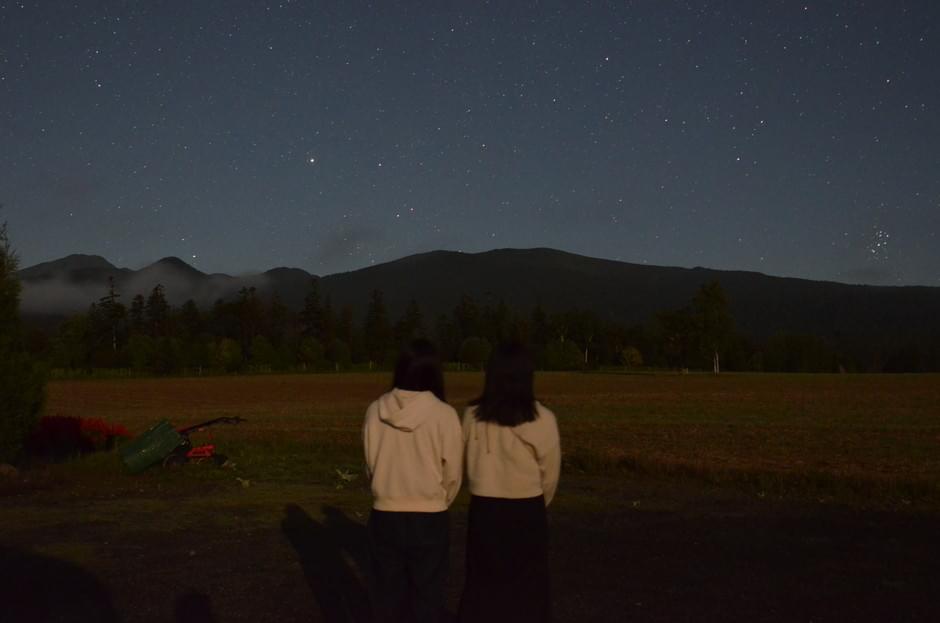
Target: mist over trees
255	333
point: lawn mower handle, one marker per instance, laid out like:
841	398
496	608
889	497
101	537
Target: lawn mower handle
218	420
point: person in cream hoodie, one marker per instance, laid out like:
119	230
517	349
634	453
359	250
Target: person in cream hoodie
414	456
513	461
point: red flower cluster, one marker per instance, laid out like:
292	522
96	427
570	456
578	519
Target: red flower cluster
59	437
99	429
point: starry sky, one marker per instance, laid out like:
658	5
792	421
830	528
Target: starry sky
791	138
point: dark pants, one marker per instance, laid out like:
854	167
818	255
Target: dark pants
507	562
409	565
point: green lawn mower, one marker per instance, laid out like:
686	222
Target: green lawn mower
171	447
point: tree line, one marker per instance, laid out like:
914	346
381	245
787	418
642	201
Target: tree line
251	333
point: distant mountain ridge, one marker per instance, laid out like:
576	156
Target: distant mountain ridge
559	281
70	284
76	267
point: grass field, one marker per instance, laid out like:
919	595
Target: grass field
652	463
862	439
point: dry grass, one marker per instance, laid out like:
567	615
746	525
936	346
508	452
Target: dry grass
873	438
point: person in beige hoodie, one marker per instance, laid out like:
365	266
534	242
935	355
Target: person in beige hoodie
414	457
513	457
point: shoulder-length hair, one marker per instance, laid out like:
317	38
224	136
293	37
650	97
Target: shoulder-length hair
508	397
419	369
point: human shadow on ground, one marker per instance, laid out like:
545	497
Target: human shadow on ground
756	563
37	588
193	607
330	553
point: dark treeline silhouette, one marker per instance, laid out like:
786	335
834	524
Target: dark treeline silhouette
22	382
251	333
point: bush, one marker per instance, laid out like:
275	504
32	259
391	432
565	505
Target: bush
57	438
22	391
227	355
631	357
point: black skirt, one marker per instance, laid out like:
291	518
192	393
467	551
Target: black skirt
507	562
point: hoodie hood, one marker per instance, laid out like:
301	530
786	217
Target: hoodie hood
404	409
534	433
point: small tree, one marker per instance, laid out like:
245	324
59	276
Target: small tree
227	355
338	352
310	353
22	382
263	353
713	322
631	357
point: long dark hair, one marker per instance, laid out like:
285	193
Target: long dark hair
508	397
419	369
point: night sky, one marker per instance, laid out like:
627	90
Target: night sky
790	138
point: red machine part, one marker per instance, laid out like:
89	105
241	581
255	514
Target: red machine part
201	452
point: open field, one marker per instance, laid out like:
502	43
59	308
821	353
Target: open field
741	497
864	439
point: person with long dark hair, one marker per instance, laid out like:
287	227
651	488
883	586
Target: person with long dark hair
414	456
513	457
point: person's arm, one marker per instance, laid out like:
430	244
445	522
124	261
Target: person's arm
365	445
452	456
549	459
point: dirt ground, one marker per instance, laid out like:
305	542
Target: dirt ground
643	551
683	498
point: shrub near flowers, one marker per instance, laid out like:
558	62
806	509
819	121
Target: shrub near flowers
59	437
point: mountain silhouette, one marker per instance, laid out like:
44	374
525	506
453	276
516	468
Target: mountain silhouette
521	278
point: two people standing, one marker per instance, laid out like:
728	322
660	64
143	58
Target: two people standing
415	446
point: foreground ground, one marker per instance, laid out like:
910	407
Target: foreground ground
749	498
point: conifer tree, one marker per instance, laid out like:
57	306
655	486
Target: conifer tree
467	318
375	330
111	314
328	323
190	320
136	315
311	316
278	317
22	382
410	325
157	311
